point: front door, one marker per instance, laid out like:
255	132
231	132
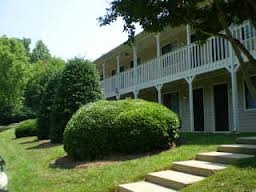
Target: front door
198	101
221	107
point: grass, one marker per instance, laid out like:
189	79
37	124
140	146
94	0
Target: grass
28	167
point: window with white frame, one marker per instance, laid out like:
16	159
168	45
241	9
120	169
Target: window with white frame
250	101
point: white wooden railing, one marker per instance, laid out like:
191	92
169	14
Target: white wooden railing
190	60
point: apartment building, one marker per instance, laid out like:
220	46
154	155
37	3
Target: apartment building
203	84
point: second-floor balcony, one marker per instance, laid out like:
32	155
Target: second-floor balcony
190	60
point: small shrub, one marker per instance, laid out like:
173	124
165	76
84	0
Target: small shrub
46	106
79	84
126	126
26	128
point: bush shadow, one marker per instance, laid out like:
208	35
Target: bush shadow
67	163
44	144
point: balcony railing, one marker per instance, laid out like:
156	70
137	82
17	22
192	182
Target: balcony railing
190	60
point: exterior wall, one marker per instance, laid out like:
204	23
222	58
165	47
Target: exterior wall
247	118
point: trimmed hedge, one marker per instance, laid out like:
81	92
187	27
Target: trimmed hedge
26	128
46	106
79	84
125	126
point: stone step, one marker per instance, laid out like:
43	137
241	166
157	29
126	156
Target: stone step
238	148
195	167
222	157
143	186
172	179
246	140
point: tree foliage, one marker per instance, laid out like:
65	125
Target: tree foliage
206	17
13	74
40	52
79	84
40	73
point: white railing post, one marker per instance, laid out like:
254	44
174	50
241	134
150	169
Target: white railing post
191	104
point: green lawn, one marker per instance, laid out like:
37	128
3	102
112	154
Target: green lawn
28	167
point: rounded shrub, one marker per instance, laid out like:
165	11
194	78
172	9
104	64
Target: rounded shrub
79	84
126	126
46	106
26	128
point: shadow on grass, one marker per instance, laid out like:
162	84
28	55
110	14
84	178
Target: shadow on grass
43	144
29	142
246	163
67	163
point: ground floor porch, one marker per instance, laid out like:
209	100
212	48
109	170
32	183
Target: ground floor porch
217	101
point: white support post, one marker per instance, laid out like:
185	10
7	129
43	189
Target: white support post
158	46
188	35
135	63
188	46
136	94
118	64
233	70
191	104
104	77
159	93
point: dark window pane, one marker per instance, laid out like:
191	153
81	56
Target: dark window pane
250	102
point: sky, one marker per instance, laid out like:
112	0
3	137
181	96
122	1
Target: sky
69	28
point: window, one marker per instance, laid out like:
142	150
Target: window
250	102
169	47
113	72
138	62
121	69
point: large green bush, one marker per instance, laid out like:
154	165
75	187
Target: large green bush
79	84
126	126
26	128
46	106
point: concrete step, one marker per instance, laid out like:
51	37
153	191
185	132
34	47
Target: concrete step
222	157
172	179
246	140
195	167
238	148
143	186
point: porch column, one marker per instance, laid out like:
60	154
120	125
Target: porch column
117	64
233	70
159	93
104	71
188	35
136	94
104	77
158	46
117	77
191	105
135	63
188	46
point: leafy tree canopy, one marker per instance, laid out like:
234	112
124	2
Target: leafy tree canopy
40	52
13	73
